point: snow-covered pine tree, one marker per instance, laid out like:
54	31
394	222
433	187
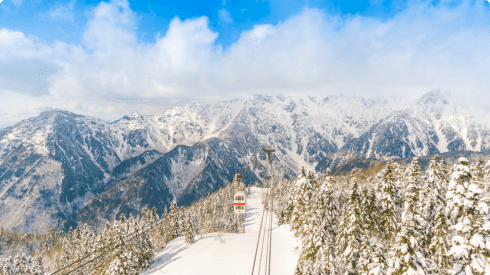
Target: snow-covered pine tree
66	252
123	261
38	267
310	236
372	257
9	267
387	197
173	221
408	256
87	238
100	241
299	199
438	246
477	168
486	178
181	221
144	252
421	224
435	214
189	232
350	230
326	213
21	264
470	228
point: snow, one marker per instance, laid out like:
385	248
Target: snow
236	255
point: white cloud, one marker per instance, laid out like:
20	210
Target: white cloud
64	12
421	48
225	16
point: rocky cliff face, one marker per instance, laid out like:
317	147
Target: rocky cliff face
56	164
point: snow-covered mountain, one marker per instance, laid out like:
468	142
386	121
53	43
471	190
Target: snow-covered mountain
185	174
55	164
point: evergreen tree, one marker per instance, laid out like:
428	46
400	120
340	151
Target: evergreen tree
387	198
21	264
326	213
486	178
439	245
9	267
38	267
434	211
299	199
421	224
372	257
173	221
350	233
478	172
189	232
470	223
310	239
143	250
66	252
408	256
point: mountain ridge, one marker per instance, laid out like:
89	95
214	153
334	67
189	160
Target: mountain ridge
82	157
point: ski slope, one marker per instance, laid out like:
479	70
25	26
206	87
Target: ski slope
235	256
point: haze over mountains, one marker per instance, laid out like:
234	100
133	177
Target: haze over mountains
60	168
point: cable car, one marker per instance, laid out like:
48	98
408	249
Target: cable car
240	202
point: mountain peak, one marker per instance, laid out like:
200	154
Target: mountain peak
432	98
56	111
132	116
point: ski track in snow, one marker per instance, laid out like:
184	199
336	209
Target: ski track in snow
208	256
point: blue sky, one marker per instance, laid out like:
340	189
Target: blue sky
105	59
65	20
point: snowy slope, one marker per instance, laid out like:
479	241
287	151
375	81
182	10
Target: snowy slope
207	256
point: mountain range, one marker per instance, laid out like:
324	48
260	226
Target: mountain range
60	169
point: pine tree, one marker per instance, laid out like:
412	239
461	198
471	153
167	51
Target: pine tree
408	256
66	252
478	172
421	224
309	230
486	178
435	214
38	267
470	223
21	264
173	221
189	232
9	267
299	199
144	252
372	257
439	245
100	241
326	213
350	233
387	199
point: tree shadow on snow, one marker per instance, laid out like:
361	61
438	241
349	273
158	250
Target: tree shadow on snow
167	258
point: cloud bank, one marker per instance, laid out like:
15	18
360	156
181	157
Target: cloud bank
427	46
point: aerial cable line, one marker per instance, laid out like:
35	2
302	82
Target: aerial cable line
118	245
267	262
100	249
263	241
270	234
258	240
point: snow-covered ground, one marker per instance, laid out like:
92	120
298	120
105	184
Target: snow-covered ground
236	255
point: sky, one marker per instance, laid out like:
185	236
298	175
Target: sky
105	59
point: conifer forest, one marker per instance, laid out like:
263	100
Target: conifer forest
393	219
